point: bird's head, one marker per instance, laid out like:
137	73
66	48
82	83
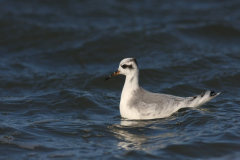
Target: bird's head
127	66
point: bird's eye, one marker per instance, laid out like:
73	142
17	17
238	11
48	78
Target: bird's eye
124	66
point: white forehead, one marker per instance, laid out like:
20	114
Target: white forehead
126	61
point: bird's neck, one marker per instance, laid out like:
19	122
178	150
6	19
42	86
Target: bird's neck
131	82
130	85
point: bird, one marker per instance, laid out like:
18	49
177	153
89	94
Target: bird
136	103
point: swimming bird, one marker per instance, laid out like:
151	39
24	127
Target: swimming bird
137	103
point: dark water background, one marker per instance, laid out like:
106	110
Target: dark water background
54	56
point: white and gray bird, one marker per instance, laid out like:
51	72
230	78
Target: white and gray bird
137	103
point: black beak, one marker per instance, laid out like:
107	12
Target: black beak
114	74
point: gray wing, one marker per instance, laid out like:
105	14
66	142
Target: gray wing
157	105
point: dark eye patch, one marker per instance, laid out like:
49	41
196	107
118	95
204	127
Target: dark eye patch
124	66
127	66
130	67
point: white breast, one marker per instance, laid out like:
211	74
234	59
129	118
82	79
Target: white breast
127	111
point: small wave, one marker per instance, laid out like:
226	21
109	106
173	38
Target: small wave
202	150
46	121
213	31
61	155
10	140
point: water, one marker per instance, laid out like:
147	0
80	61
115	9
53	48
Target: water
55	104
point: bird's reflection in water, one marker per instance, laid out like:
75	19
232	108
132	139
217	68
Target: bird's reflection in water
140	134
137	123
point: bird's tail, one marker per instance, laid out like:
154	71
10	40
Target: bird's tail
199	100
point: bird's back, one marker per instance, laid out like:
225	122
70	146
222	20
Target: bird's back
150	105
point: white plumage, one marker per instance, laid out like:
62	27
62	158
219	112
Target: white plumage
137	103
